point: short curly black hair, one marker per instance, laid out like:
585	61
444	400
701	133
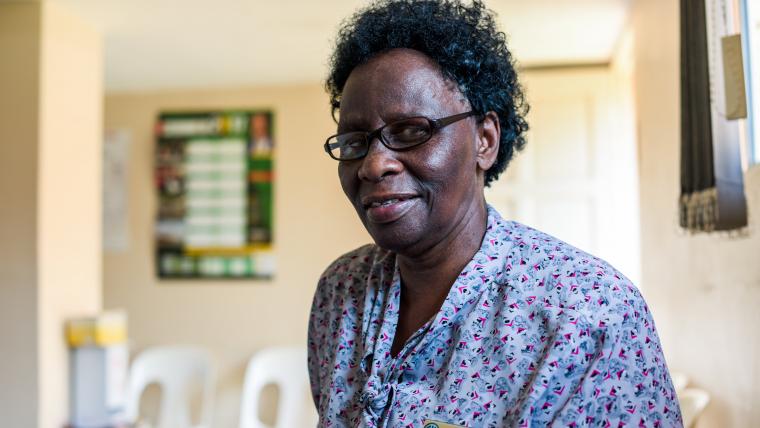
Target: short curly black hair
465	42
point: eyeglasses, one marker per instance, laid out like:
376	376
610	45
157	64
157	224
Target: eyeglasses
400	135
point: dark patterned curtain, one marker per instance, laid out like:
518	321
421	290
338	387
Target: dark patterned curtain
712	195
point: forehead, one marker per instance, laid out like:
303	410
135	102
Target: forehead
399	82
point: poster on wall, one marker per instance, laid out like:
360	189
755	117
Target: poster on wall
214	173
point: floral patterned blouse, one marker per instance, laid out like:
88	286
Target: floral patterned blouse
534	332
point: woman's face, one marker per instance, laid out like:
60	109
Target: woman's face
411	200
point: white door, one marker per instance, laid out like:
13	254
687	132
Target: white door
577	177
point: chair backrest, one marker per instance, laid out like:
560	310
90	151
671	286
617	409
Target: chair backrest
680	380
284	367
693	402
177	370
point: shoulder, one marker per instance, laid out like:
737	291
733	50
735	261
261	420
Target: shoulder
357	259
563	276
348	274
356	264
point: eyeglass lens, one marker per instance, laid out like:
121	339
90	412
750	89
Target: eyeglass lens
398	135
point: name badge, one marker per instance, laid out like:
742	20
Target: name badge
438	424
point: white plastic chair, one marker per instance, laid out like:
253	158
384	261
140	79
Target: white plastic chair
680	380
693	402
176	370
286	368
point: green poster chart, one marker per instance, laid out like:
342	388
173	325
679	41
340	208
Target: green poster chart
214	173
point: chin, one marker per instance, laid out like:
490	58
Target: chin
395	238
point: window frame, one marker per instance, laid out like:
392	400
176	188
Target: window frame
751	52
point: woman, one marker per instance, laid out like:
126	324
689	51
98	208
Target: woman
455	316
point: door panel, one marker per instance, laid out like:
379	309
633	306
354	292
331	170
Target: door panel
577	177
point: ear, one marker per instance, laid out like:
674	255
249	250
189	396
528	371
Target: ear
489	134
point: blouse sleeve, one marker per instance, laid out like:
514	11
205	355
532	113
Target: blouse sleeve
628	381
607	370
316	336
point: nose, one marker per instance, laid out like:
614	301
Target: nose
379	162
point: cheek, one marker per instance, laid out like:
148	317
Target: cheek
448	165
348	179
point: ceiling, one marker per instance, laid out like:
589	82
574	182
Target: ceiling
161	44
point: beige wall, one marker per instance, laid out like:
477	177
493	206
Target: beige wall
703	290
50	192
69	195
313	224
19	86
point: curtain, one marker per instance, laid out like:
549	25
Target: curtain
712	189
698	203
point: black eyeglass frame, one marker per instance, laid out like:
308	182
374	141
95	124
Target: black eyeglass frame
435	126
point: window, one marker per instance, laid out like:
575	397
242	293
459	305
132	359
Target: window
750	11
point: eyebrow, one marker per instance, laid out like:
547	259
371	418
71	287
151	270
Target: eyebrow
352	125
360	124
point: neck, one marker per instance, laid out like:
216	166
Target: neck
427	276
429	273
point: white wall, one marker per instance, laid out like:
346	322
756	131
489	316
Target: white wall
577	178
704	290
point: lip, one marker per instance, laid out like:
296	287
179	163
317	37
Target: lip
387	208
